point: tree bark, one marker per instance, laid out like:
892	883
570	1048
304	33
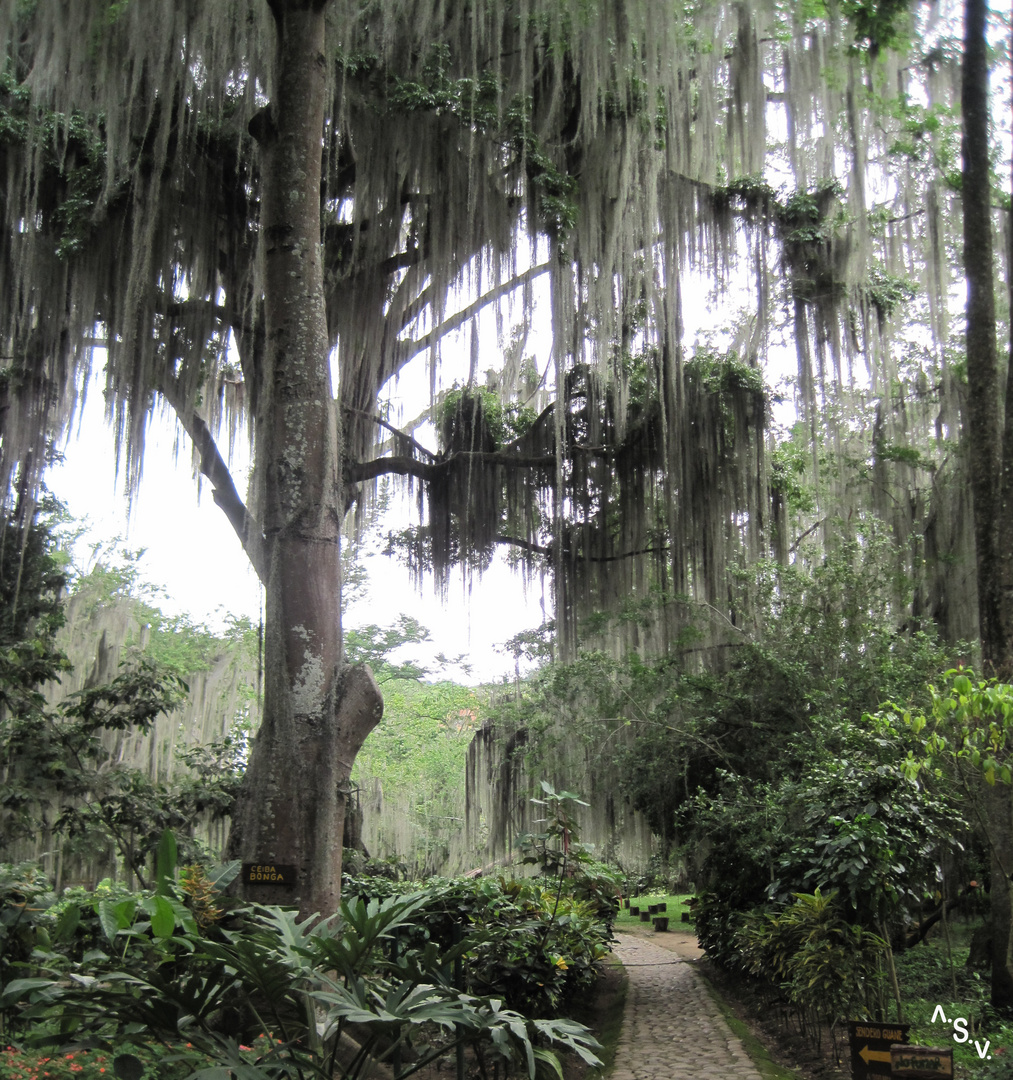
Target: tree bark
982	355
291	807
1005	518
986	457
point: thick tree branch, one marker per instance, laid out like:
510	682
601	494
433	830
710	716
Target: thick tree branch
400	260
455	322
627	554
213	466
396	432
524	545
513	455
174	309
399	465
546	549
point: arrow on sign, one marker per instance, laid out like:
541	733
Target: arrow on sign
868	1055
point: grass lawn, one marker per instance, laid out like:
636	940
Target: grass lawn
675	906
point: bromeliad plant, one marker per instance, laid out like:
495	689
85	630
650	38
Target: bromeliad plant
336	996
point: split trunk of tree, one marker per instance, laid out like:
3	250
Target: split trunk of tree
992	498
291	809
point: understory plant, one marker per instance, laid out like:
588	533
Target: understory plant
534	942
257	992
852	822
938	982
518	939
828	968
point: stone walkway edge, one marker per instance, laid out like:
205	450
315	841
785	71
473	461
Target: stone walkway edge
672	1029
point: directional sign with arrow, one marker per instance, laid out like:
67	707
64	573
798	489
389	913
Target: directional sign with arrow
870	1047
868	1055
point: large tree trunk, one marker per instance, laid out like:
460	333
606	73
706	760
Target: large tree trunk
991	499
291	809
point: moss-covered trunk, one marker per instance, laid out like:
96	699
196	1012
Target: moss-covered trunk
291	809
985	456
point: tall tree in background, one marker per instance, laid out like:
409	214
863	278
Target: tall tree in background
239	191
989	456
985	444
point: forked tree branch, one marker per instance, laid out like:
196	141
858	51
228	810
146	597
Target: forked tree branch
513	455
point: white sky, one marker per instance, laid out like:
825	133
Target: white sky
192	552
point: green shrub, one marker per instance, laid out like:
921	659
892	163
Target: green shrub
827	966
25	898
719	918
534	942
328	995
406	978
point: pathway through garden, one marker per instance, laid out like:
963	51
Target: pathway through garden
672	1030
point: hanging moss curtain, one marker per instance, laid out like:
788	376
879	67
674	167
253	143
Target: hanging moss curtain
769	146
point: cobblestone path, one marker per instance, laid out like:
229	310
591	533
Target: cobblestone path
672	1030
